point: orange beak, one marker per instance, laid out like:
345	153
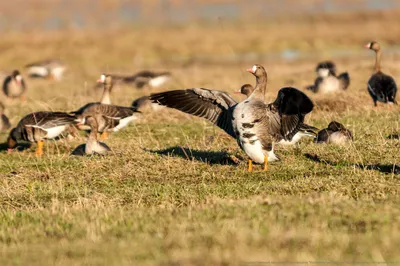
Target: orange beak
99	81
237	92
366	46
250	70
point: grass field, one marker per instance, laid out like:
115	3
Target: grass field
169	194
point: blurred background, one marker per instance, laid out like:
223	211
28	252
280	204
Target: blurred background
94	14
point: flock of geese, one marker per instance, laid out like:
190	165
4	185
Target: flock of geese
257	125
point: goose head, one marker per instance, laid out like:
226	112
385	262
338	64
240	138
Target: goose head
257	70
91	122
12	139
373	46
16	75
246	89
105	79
336	126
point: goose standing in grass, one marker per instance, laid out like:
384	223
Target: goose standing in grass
48	69
254	124
4	122
36	127
335	133
92	145
14	86
327	81
381	87
307	131
110	118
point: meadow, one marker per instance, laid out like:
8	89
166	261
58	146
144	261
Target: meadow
170	194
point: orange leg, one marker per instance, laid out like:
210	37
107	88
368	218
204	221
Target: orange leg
39	149
250	167
22	98
265	163
104	135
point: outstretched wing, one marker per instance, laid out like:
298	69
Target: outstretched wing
291	105
215	106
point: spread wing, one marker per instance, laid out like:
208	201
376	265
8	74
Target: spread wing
215	106
290	106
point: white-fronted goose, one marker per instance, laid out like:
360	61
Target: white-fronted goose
110	118
4	122
92	145
144	78
306	130
14	85
255	125
381	87
107	82
335	133
38	126
327	81
50	69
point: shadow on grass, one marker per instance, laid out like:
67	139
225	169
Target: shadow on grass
383	168
393	136
210	157
20	146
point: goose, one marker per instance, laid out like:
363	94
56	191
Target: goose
92	145
307	130
50	69
38	126
107	82
4	122
144	78
327	81
335	133
109	118
255	125
381	87
14	86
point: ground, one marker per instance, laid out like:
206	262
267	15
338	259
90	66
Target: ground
170	194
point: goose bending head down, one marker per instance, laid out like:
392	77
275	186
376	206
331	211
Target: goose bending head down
255	125
92	145
38	126
381	87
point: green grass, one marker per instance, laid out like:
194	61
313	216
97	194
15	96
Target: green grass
169	193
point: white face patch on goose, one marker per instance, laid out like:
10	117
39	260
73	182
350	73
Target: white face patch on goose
323	72
103	78
18	78
254	69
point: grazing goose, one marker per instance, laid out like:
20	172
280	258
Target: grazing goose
50	69
107	82
109	117
255	125
327	81
306	130
92	145
36	127
336	133
4	122
381	87
14	85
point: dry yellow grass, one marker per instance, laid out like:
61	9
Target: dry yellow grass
157	200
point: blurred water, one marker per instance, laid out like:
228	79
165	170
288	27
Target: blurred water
55	14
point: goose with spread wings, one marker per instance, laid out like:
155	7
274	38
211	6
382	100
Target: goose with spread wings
254	124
